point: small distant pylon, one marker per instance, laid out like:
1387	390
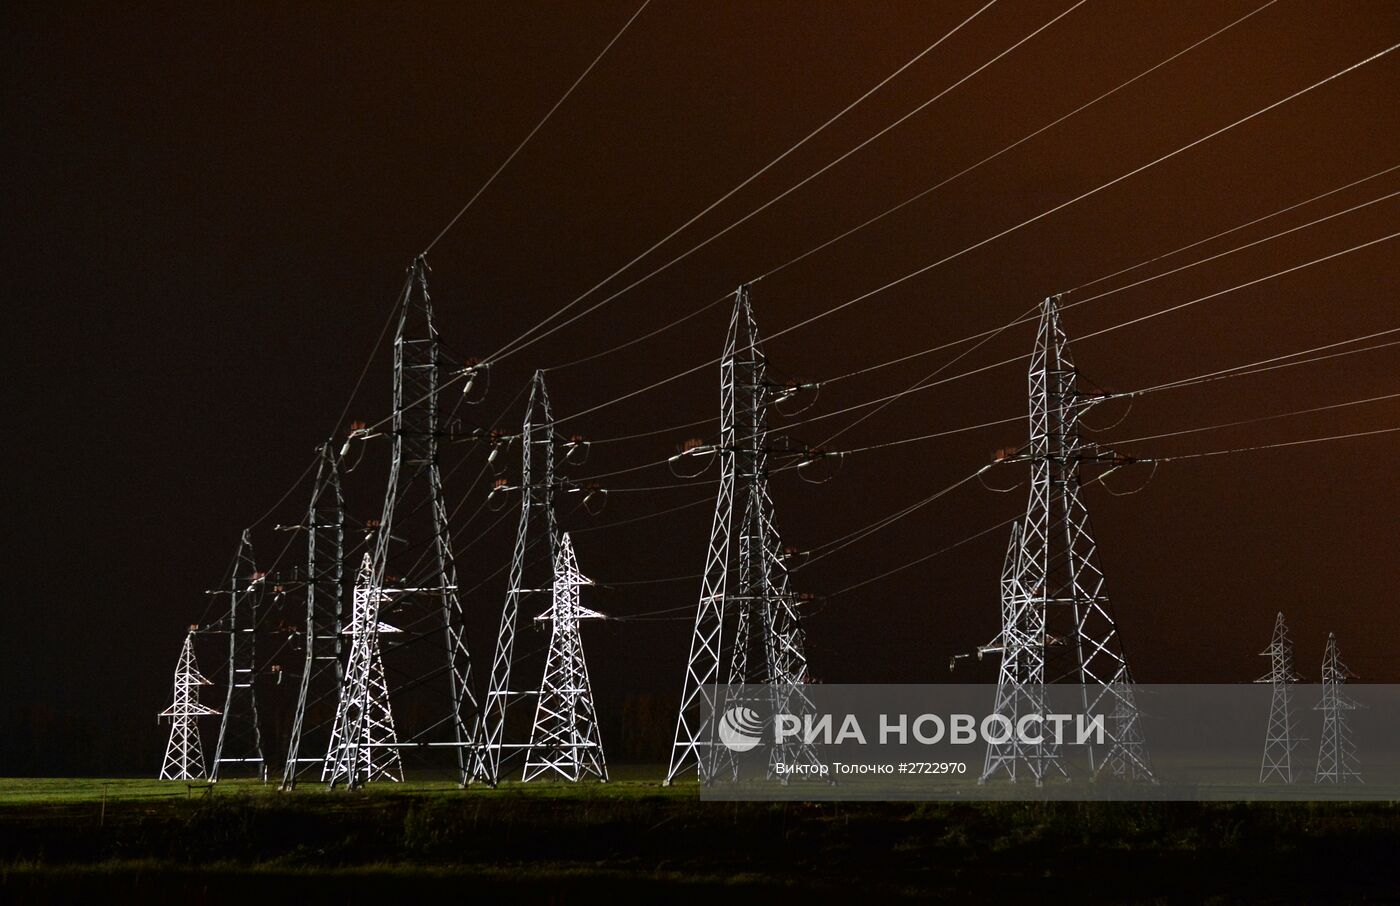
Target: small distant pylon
184	755
1277	764
565	738
1058	624
364	744
745	584
1336	754
240	732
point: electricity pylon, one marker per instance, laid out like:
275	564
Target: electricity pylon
324	587
240	732
1336	754
1021	677
768	647
414	491
364	744
1059	624
531	565
565	738
1277	763
184	754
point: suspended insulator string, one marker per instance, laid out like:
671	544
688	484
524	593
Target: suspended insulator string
1024	357
861	533
531	335
425	546
531	134
1099	478
788	191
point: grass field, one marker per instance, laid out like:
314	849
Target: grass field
130	838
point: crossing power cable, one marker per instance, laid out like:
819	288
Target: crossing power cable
786	192
913	198
531	134
520	341
1003	233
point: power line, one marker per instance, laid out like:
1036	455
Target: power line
794	187
1255	420
991	157
1022	224
557	104
1274	446
513	345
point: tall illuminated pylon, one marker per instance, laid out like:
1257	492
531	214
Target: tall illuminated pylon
412	537
565	739
745	585
184	754
531	567
1058	624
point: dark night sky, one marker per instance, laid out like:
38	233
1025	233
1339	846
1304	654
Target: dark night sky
210	207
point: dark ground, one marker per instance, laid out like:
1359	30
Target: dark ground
638	841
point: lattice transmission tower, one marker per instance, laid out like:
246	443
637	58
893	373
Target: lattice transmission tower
1336	754
746	585
531	573
324	590
1279	741
1058	624
184	754
240	730
364	744
565	738
413	570
1021	676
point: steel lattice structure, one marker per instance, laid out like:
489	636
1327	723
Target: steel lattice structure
1336	753
1058	624
184	754
364	744
531	567
1021	676
768	648
240	731
565	739
414	489
1277	762
324	588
